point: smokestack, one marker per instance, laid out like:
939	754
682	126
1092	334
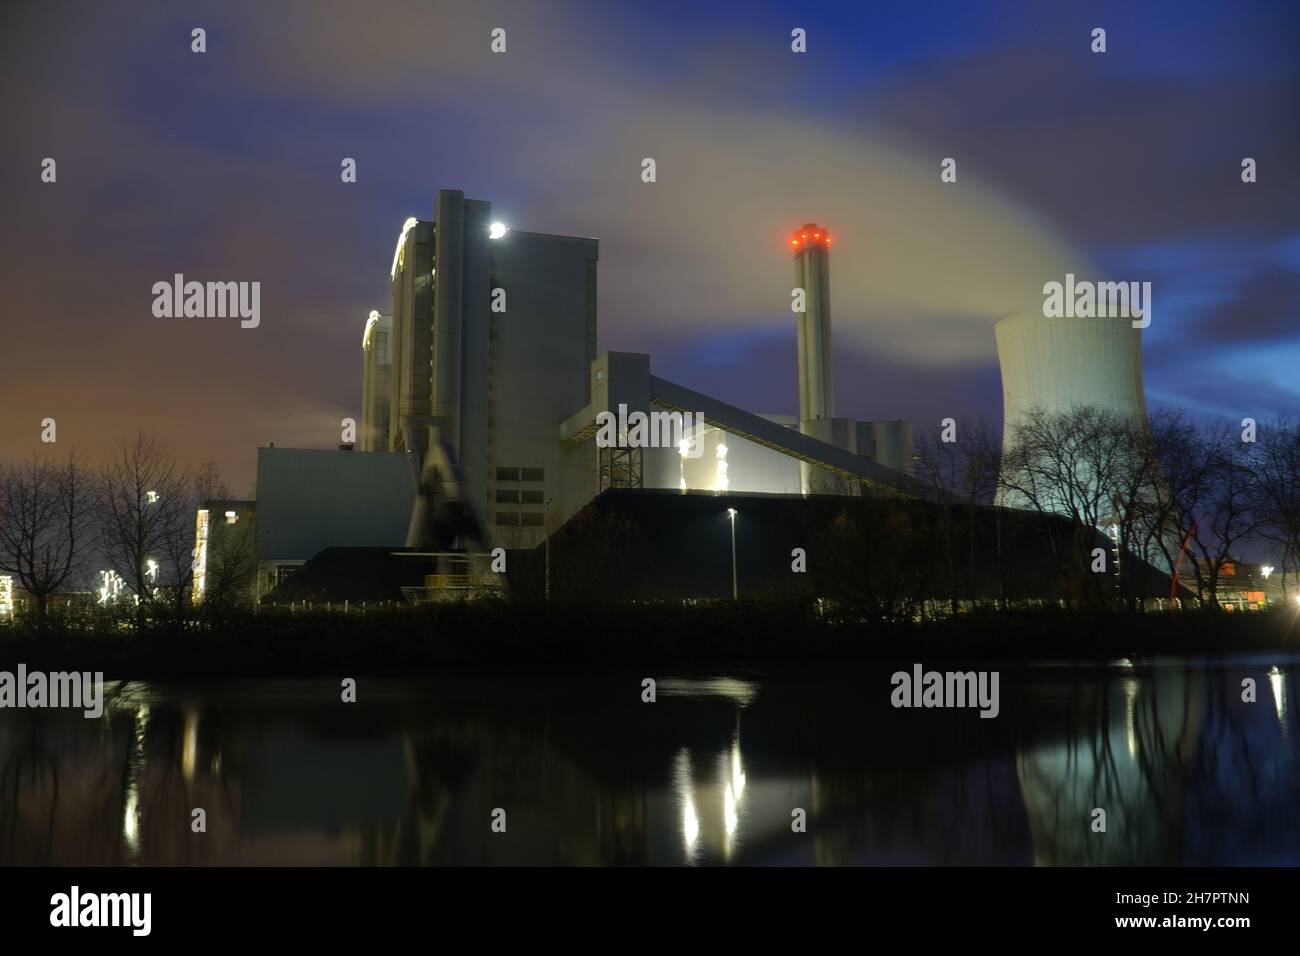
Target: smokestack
812	273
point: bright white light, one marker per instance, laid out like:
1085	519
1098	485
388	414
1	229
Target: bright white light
731	513
151	569
1277	683
190	745
1266	570
111	587
681	776
401	241
151	496
690	824
684	447
6	596
497	230
721	480
729	816
200	553
231	517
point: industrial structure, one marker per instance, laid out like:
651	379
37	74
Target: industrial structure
1054	364
495	389
481	392
494	332
224	546
1057	363
376	376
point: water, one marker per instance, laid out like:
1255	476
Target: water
712	773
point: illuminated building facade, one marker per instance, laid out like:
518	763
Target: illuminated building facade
481	394
376	382
6	597
493	334
224	534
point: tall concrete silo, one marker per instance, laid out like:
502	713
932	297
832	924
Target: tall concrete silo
376	370
891	444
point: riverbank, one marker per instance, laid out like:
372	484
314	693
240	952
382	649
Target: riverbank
515	638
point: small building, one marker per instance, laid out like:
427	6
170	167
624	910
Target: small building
224	565
312	499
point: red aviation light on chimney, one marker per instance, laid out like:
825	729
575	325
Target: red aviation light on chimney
810	235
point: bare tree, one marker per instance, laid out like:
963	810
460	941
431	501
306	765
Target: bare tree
1072	464
1229	516
1180	450
1208	500
144	498
940	465
232	569
1278	488
966	471
46	527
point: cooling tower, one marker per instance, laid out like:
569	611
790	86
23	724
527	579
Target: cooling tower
1057	364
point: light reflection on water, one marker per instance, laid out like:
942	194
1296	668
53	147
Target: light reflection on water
713	772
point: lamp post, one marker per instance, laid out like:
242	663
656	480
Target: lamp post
548	549
731	513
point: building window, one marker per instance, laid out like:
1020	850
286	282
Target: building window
533	474
507	474
507	519
507	496
531	497
531	519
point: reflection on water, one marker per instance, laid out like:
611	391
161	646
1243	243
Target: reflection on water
714	772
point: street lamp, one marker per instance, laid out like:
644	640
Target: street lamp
548	549
731	513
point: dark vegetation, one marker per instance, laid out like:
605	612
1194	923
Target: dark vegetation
504	637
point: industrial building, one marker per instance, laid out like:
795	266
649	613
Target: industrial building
224	536
481	393
312	499
376	374
493	386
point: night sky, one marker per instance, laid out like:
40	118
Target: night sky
226	166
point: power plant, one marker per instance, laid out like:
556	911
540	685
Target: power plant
482	391
496	387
